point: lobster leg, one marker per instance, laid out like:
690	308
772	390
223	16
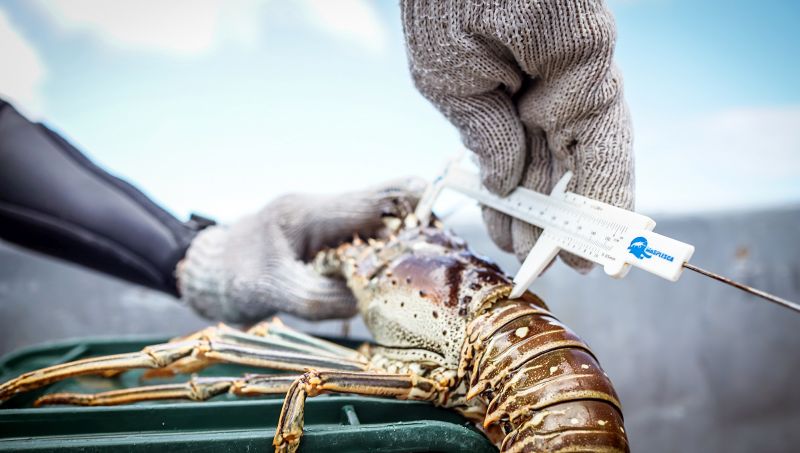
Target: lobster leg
312	383
197	389
272	335
159	356
276	329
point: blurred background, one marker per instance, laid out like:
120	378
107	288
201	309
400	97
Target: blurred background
217	107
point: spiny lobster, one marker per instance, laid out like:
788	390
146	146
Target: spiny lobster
444	331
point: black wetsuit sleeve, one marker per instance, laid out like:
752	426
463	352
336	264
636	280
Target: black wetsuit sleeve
54	200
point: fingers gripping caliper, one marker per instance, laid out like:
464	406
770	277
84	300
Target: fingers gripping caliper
607	235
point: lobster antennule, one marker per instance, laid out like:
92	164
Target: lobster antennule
541	383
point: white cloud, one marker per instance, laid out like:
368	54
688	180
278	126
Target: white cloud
733	159
356	21
23	72
196	27
187	27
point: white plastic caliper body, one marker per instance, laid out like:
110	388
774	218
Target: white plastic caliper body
604	234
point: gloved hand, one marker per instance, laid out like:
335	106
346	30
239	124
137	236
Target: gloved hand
258	265
533	90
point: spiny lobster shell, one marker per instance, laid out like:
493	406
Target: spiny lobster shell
437	309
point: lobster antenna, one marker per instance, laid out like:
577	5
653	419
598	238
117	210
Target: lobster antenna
748	289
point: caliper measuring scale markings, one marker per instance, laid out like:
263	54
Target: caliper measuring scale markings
612	237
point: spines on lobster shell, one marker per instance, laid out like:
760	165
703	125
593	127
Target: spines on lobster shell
542	384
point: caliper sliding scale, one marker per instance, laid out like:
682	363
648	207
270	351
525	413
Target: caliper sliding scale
607	235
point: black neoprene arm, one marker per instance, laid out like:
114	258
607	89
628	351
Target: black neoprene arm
54	200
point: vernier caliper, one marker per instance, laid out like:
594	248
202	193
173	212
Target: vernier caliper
612	237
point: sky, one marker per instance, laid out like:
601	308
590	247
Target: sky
218	106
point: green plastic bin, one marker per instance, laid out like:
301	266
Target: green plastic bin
333	423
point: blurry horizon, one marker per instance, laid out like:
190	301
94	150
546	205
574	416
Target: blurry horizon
217	107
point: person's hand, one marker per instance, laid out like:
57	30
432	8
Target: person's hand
258	265
533	90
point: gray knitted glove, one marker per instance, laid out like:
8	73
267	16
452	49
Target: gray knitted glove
532	87
257	266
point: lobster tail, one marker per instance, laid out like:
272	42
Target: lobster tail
543	386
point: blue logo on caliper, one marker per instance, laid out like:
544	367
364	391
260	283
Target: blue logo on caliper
639	249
